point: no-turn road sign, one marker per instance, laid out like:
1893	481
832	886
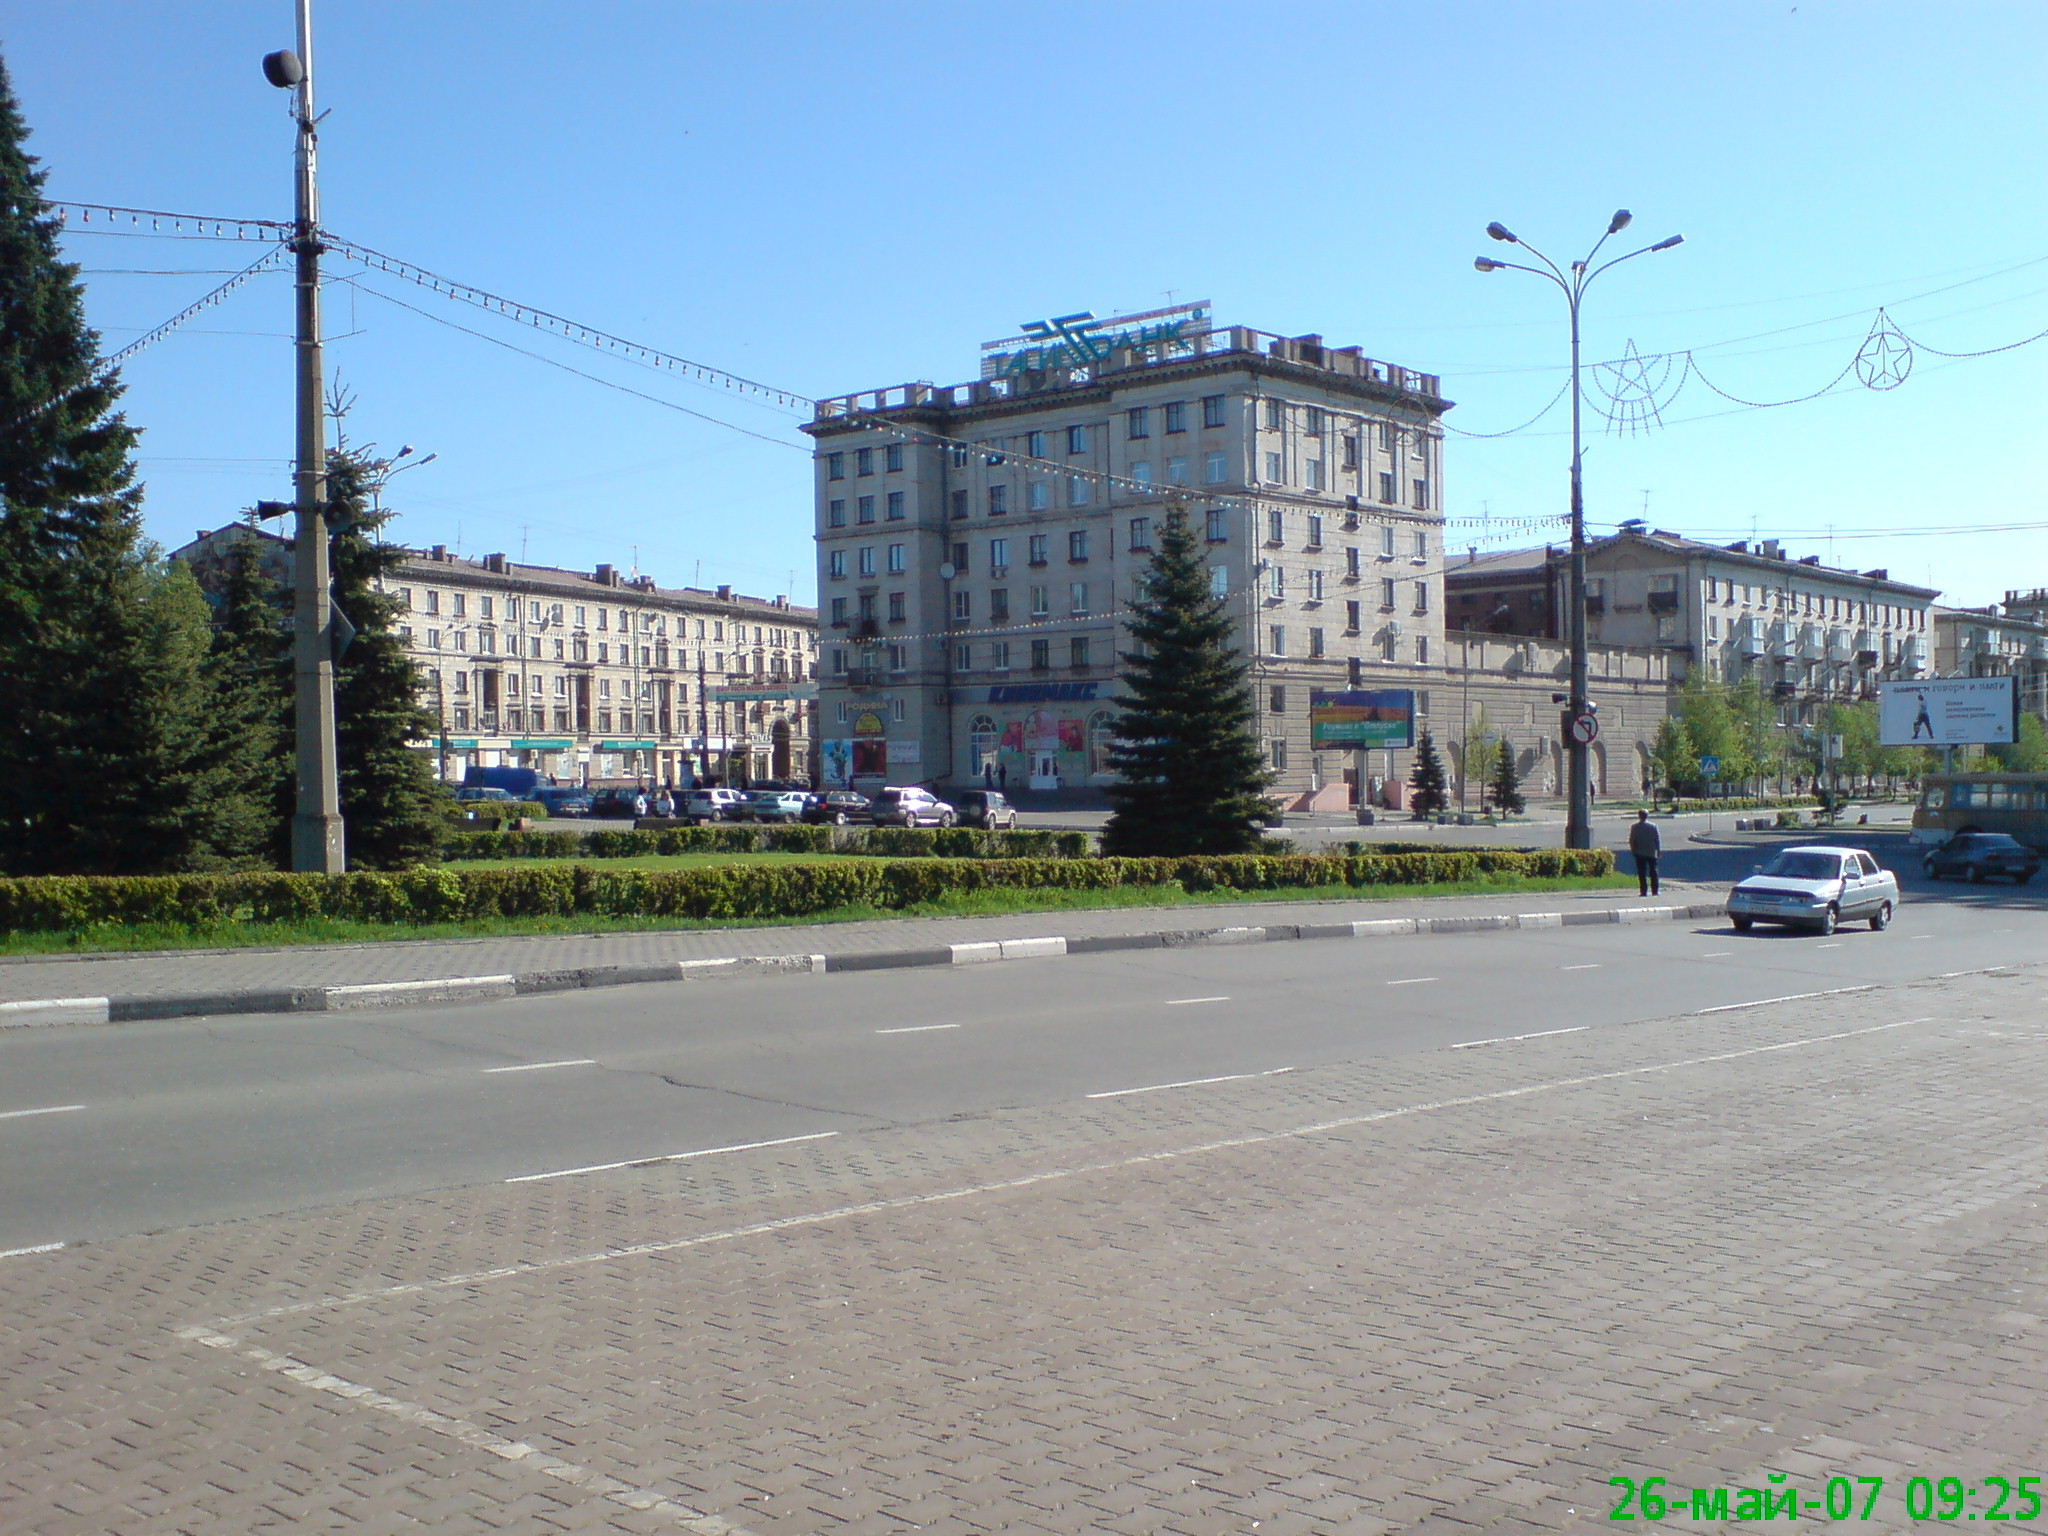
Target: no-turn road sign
1585	729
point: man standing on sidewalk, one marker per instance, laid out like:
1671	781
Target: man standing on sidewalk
1647	845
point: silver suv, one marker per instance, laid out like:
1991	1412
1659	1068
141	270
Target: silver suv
701	805
911	807
1818	888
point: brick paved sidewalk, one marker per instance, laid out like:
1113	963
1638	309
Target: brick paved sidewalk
1448	1291
313	965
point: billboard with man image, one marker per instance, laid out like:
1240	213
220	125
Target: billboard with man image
1947	712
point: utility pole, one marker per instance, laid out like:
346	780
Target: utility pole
317	832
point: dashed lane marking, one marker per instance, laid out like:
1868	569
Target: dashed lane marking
1182	1002
1541	1034
17	1253
1411	981
915	1029
543	1066
667	1157
53	1109
1190	1082
1029	1180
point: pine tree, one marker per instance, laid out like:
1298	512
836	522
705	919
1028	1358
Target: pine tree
1191	777
103	646
390	803
249	670
1426	779
1507	784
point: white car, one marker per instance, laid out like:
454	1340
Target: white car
702	805
1818	888
911	806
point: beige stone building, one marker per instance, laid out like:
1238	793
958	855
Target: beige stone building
1998	640
978	546
1812	633
590	676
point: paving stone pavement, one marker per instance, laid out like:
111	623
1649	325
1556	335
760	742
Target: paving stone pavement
314	965
1447	1291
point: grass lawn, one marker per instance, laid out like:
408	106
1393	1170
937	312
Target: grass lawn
966	904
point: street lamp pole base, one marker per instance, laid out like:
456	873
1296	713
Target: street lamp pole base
317	847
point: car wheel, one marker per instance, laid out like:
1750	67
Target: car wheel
1976	874
839	818
1829	921
945	819
1881	919
1742	924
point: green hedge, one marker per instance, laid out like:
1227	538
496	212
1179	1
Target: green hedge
1741	803
62	903
889	842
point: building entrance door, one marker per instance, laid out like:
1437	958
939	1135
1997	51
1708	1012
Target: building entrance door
1045	769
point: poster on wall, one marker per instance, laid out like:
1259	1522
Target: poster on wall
1947	712
836	762
1070	736
1361	719
905	753
870	758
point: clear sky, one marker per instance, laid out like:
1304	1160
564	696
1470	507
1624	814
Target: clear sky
835	197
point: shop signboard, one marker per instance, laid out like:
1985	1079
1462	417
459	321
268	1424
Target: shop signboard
550	745
1947	712
1082	341
1361	719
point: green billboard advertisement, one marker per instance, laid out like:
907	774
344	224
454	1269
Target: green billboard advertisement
1360	719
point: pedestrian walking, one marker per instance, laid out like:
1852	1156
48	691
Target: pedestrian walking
1647	844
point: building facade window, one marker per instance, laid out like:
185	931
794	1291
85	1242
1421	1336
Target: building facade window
998	555
1077	597
835	514
897	564
1077	545
1077	651
1041	655
896	615
998	500
1215	468
1034	444
1219	581
1275	475
1077	439
1217	526
1138	421
1276	639
866	513
1141	533
867	559
1387	487
835	466
1276	415
835	564
959	506
1077	490
1212	410
892	457
1176	416
1038	495
895	506
1351	617
1037	548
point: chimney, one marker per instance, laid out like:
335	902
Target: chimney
495	563
607	575
207	533
1773	550
725	594
439	552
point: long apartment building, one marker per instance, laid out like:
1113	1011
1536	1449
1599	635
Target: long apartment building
592	675
978	546
2008	639
1813	633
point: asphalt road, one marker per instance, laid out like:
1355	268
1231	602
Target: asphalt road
131	1128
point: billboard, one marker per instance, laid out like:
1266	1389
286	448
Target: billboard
1360	719
1947	712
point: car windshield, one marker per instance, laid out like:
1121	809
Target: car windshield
1805	866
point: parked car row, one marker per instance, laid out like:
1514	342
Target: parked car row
896	805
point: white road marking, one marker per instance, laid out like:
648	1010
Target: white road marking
668	1157
1579	967
1409	981
1028	1180
543	1066
1982	970
1827	946
1790	997
1182	1002
1717	954
1191	1082
916	1029
1923	935
1541	1034
15	1253
473	1435
54	1109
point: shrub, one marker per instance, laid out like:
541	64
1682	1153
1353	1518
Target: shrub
888	842
54	904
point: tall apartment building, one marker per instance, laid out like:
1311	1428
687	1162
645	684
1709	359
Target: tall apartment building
2008	639
978	544
592	675
1813	633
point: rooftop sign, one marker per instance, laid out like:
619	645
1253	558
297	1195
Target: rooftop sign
1082	341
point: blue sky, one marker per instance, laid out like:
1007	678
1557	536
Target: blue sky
831	198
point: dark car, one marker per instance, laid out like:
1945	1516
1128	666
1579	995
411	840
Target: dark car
564	800
985	808
1977	856
616	804
836	807
476	794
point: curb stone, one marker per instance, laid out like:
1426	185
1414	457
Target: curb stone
44	1012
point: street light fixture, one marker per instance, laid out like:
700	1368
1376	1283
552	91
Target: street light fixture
1578	829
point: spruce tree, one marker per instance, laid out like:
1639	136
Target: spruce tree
390	802
249	671
1507	784
1191	777
1426	779
103	646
